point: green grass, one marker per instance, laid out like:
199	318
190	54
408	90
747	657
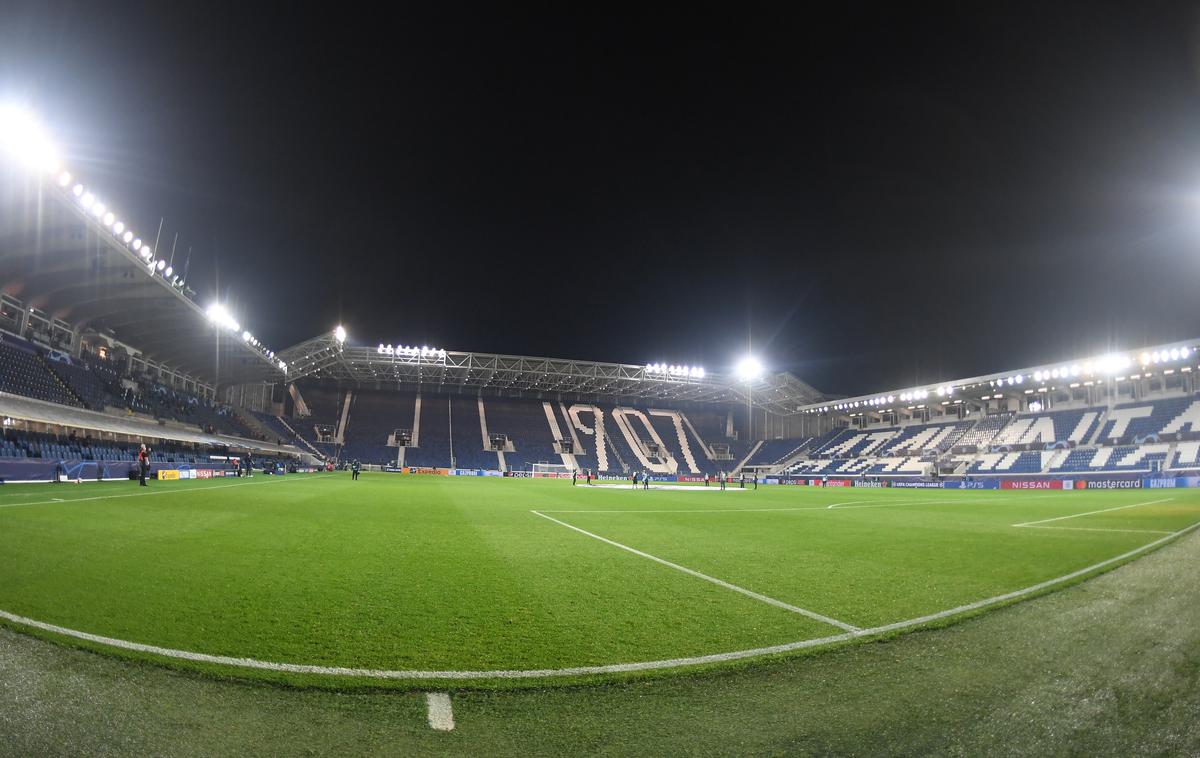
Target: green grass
433	573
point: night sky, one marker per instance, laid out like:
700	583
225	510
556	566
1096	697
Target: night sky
873	198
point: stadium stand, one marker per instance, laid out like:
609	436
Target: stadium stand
1135	422
525	425
983	432
22	372
775	452
433	434
1071	426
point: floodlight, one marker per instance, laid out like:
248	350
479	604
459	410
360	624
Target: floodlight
24	141
1155	356
128	237
1145	359
137	245
941	391
245	336
64	179
77	190
340	333
109	219
1020	378
1174	353
147	251
170	270
1183	352
749	369
118	227
88	200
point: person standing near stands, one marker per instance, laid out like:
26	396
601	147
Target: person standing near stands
645	480
249	463
574	476
755	480
354	469
721	479
143	465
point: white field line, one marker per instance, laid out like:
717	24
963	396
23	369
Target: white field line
1091	529
612	668
158	492
440	712
719	582
848	505
1092	513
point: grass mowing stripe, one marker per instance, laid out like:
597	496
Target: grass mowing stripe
1092	513
719	582
171	491
605	669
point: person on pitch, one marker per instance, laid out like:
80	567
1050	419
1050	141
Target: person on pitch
645	480
354	469
574	476
143	465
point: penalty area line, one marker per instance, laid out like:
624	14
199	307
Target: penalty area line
719	582
1092	513
1092	529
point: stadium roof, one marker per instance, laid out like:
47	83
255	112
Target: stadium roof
62	256
1182	358
328	358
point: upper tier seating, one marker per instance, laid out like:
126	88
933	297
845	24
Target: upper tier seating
984	431
22	372
1133	422
1074	426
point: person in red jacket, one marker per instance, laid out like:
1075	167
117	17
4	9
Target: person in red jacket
143	465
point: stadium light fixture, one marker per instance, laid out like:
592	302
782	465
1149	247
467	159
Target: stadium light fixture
24	140
749	369
64	179
88	200
340	333
77	190
118	228
170	270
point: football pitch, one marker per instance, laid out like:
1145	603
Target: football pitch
401	581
